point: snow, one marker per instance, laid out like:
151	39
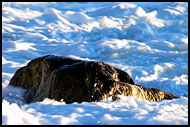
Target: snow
148	40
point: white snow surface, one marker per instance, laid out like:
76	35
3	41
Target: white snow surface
148	40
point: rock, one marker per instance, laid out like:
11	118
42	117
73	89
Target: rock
73	80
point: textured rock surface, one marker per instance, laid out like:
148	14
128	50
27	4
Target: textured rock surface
73	80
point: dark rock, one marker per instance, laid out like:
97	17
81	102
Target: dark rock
73	80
